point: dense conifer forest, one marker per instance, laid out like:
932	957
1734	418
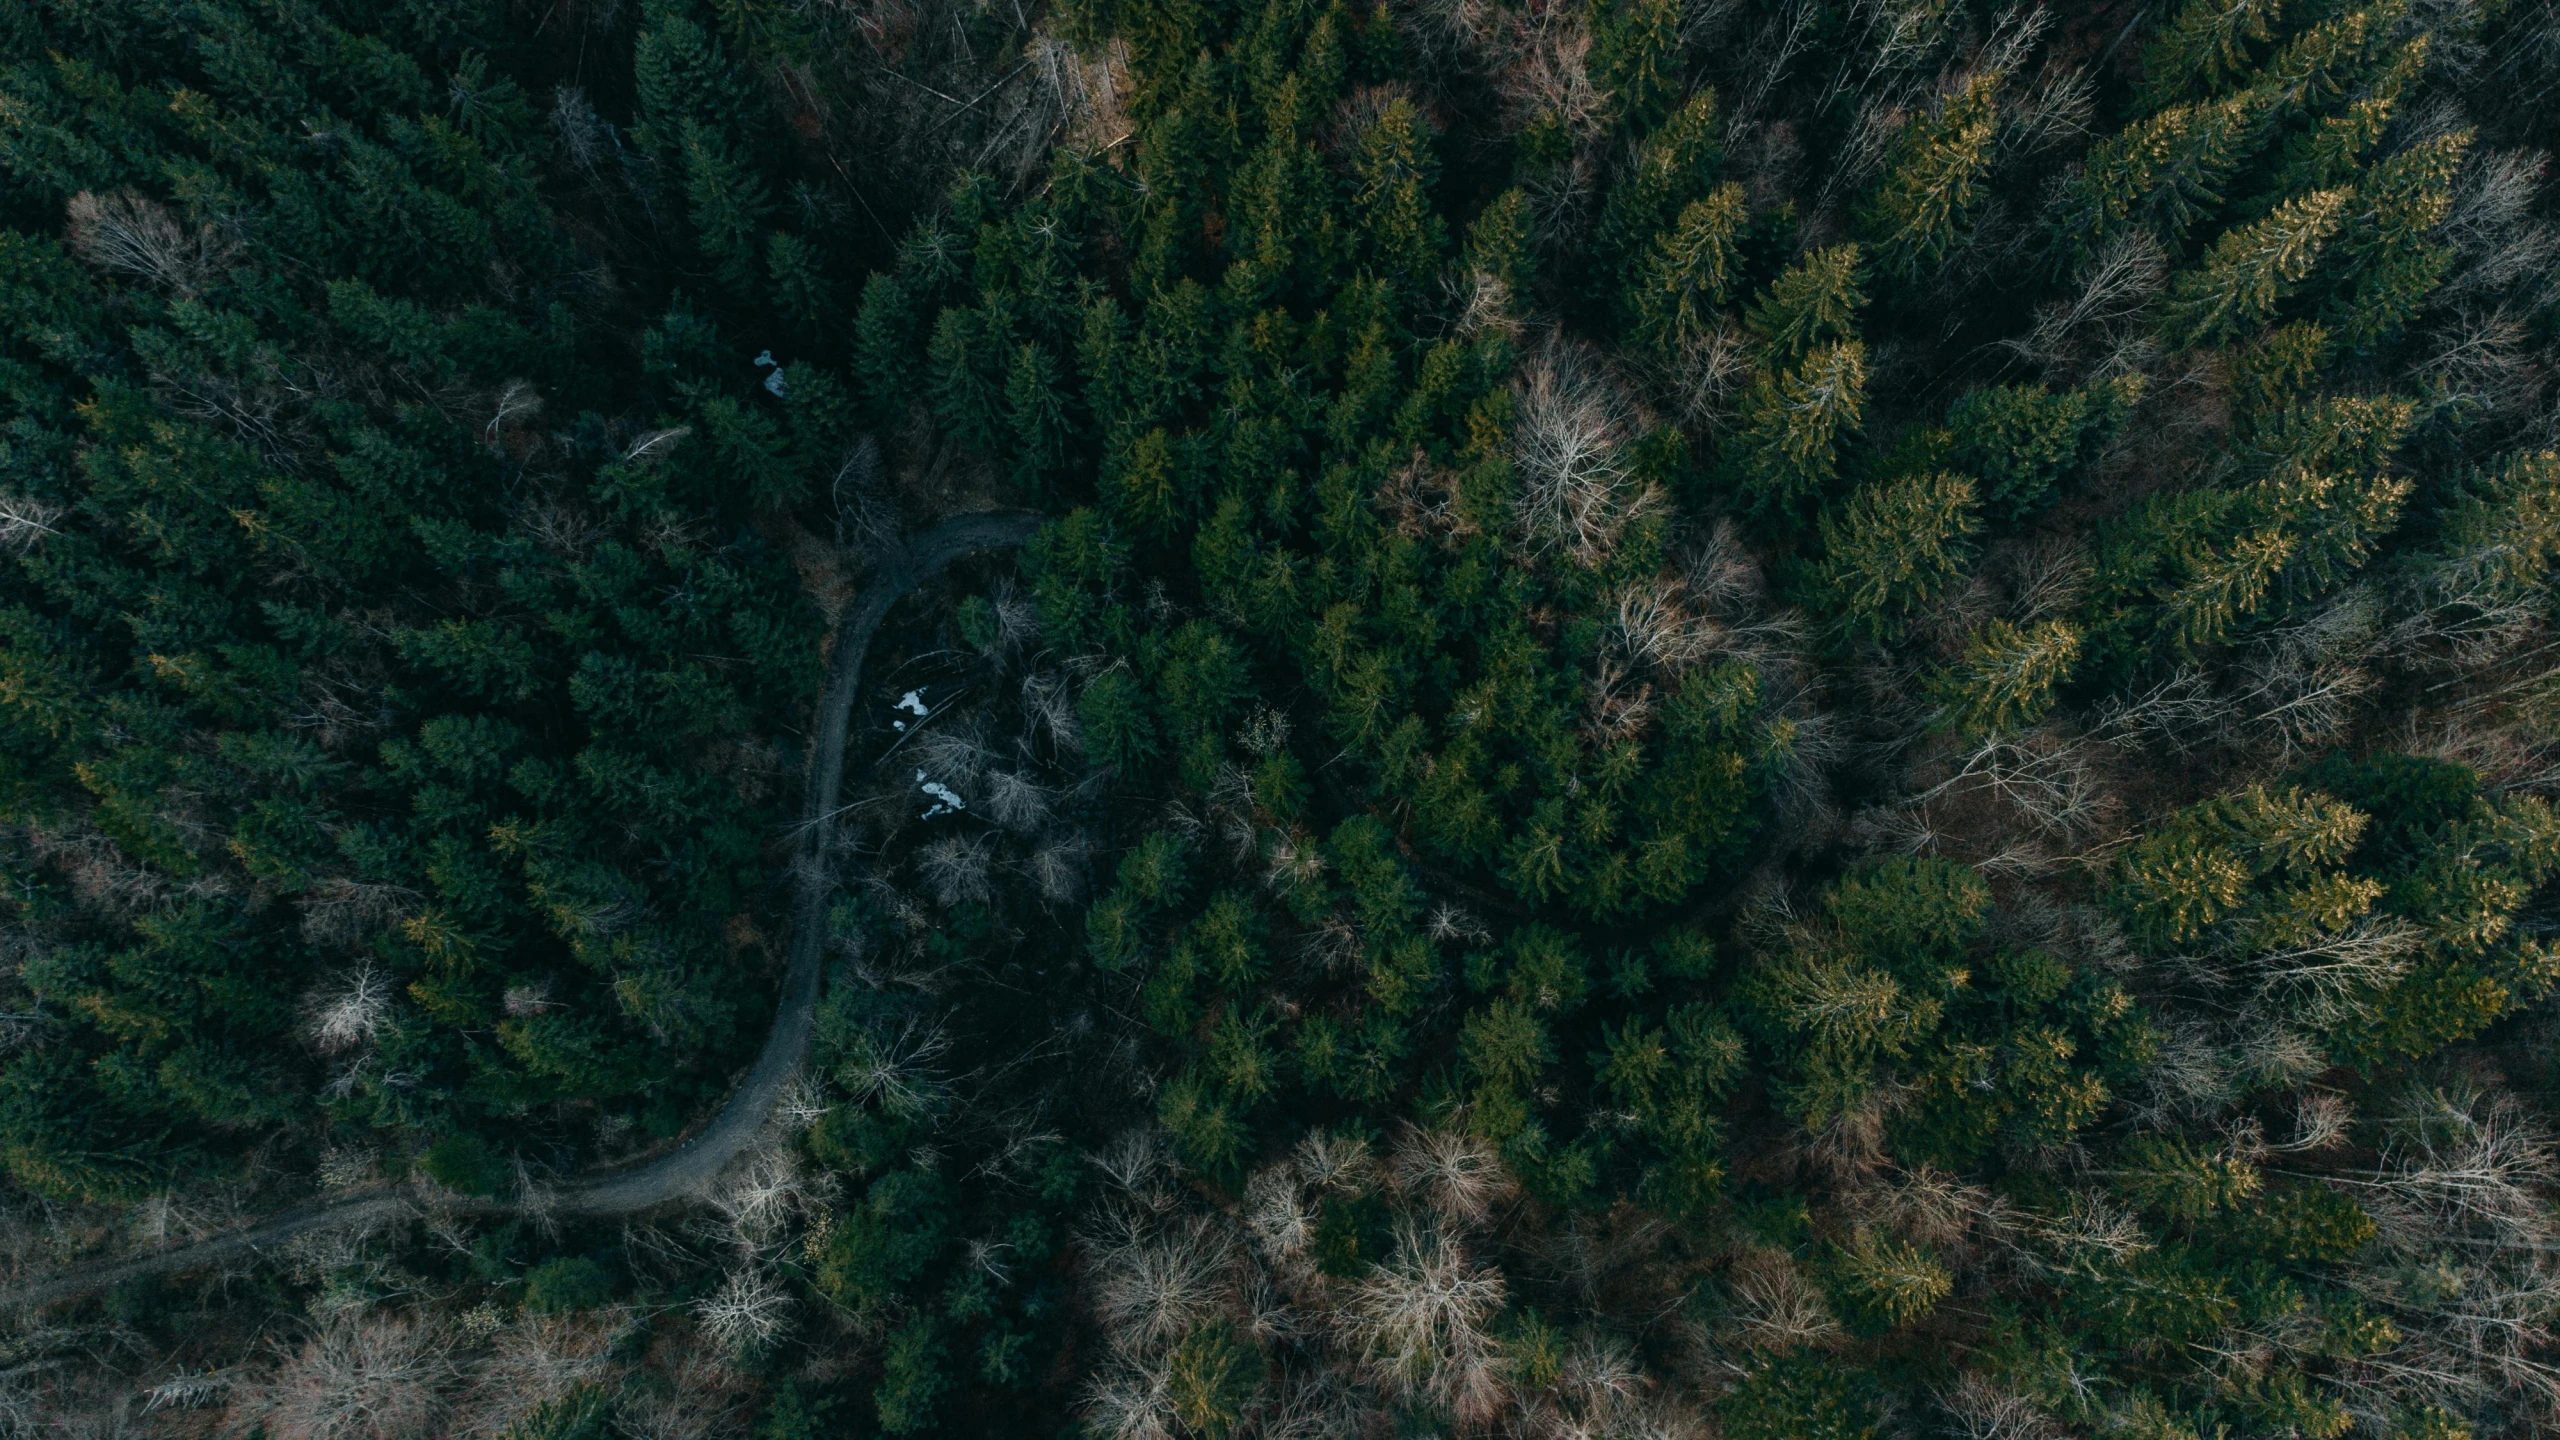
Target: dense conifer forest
1772	719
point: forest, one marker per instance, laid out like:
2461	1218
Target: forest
1280	719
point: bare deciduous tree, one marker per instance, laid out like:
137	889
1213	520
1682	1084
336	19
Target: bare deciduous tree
1056	866
1049	713
537	1359
1577	494
367	1375
747	1314
956	868
2299	682
898	1069
1014	800
350	1011
2117	287
1151	1291
1981	1409
1420	1320
135	235
1455	1173
1774	1306
26	520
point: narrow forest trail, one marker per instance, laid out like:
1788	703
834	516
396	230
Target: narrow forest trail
691	1166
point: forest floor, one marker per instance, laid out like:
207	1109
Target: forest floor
692	1165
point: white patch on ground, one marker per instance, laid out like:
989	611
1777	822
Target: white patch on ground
946	800
913	700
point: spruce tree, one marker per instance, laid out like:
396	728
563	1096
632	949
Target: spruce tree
1675	166
728	205
1817	300
1916	214
2205	48
2251	270
1894	545
2008	676
2168	171
1690	274
1635	58
1793	423
2388	239
801	286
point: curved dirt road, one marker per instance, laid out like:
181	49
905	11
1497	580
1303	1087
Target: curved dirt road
692	1165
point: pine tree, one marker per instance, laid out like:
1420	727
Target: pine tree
2501	532
2388	238
1118	729
2177	1178
2333	151
1885	1283
1675	167
1797	1397
1895	544
914	1374
800	284
1212	1375
2007	677
2327	482
2197	871
884	350
1916	214
2022	442
2168	171
1690	273
1635	57
683	76
1036	408
2252	269
1498	249
967	367
2206	48
2224	585
1815	301
1147	487
2333	56
1401	234
1793	423
2278	370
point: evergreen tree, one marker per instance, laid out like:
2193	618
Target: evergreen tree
2008	676
1916	214
2022	442
1635	58
1690	274
1402	236
2251	270
1036	408
2277	370
407	610
1894	545
801	286
2500	532
1675	167
2166	172
729	204
1814	303
1884	1283
1793	424
2387	235
884	349
2224	585
2205	48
